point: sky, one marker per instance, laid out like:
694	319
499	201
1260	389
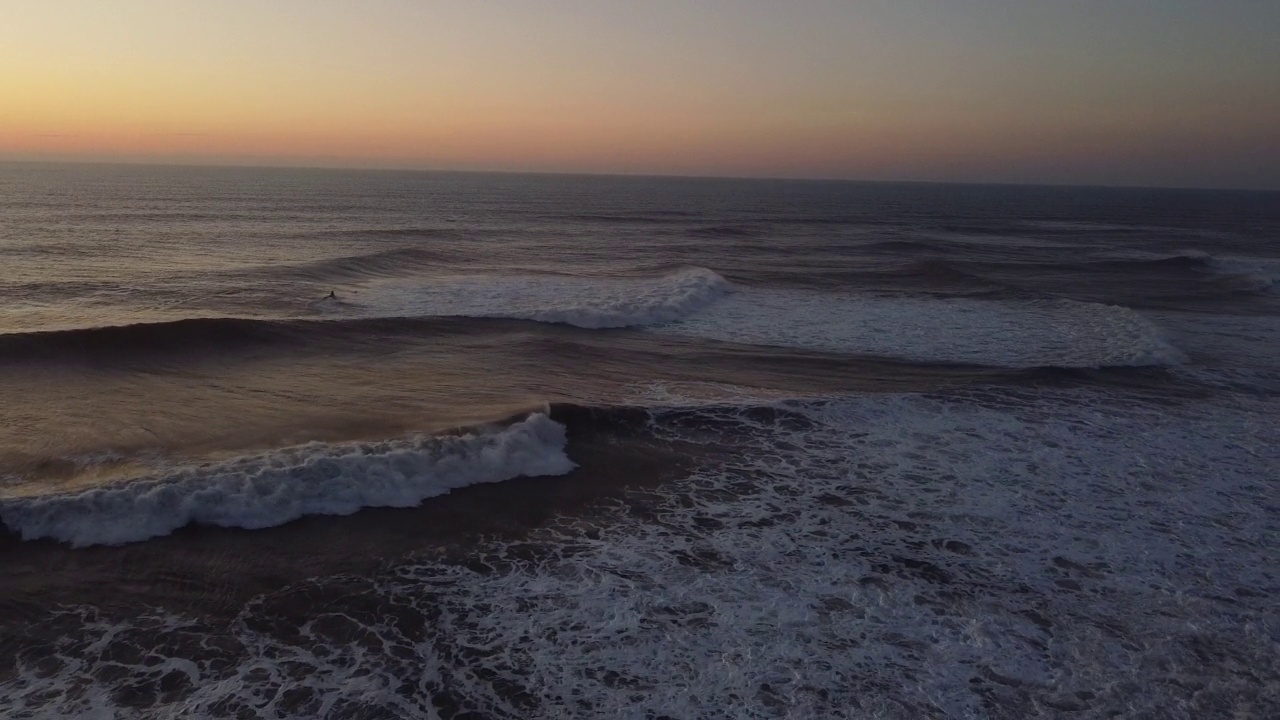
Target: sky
1115	92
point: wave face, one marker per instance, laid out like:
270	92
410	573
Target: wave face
273	488
583	302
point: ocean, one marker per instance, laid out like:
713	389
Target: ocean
294	443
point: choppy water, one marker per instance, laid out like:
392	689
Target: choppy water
625	447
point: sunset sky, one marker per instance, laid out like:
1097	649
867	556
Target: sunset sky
1146	92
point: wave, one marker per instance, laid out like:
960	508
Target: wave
926	278
1181	258
592	303
415	233
725	231
273	488
1060	258
675	296
645	218
859	543
992	333
1246	283
216	337
191	336
386	263
1026	253
392	306
1135	279
1140	264
1000	331
937	272
1251	274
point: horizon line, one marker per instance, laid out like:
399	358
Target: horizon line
633	175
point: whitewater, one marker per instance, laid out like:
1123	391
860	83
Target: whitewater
303	443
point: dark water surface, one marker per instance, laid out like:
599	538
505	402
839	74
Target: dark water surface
633	447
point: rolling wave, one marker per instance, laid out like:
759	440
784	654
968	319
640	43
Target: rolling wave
217	336
1176	264
381	264
698	303
592	303
726	231
273	488
1137	279
1049	333
193	336
693	303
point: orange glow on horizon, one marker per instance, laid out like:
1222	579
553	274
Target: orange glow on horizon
756	92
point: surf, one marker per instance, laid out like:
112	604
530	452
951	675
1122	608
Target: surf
272	488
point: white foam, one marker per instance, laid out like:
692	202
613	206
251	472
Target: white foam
1264	273
698	302
586	302
1059	333
1227	351
1254	274
1090	554
273	488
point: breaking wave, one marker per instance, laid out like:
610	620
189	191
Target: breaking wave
699	304
584	302
275	487
894	556
1060	333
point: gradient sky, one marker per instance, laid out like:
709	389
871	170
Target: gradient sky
1146	92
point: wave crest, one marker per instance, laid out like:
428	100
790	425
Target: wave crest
273	488
672	297
1057	333
593	303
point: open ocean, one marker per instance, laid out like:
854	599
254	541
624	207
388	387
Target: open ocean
568	446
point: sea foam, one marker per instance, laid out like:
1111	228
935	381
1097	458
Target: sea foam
1010	554
1055	333
697	302
273	488
586	302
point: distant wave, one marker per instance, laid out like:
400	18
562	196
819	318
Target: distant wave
593	303
726	231
216	336
644	218
386	263
273	488
1253	274
415	305
696	302
1134	261
998	329
194	336
1137	279
673	297
993	333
